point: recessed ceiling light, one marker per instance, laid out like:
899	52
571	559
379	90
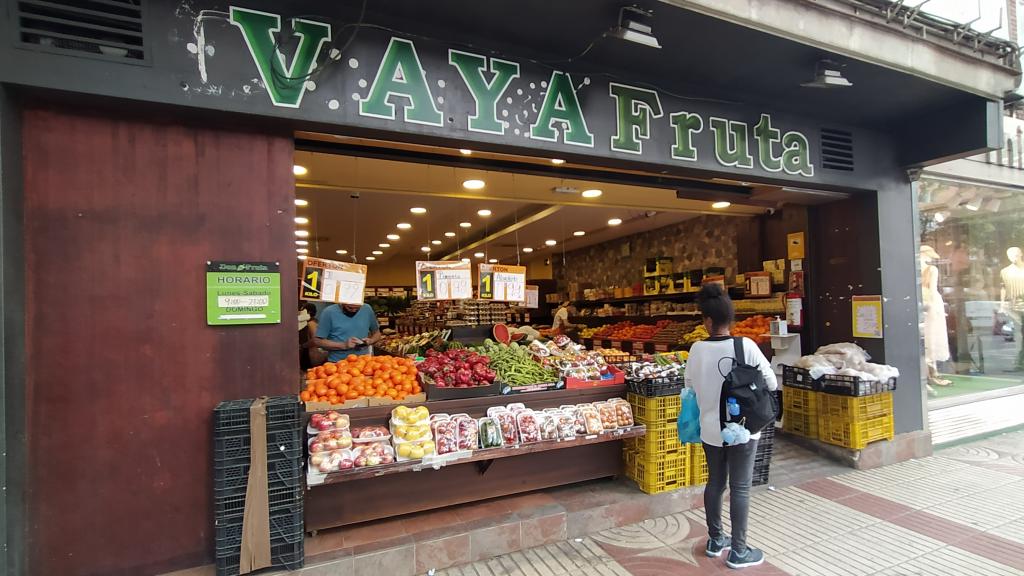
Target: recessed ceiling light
435	242
302	256
465	224
394	237
615	221
370	258
473	184
592	193
721	205
301	220
479	254
342	252
493	260
449	234
418	210
465	259
302	243
384	245
527	249
485	213
579	233
301	202
302	250
550	242
404	226
299	170
376	252
557	161
425	249
465	151
302	233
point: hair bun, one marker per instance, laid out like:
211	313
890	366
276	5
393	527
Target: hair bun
711	291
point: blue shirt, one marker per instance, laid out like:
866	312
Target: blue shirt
337	327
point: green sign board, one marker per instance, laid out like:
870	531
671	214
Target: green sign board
243	293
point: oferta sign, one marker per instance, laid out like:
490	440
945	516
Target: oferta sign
384	81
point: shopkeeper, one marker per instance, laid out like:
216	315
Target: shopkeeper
347	329
561	321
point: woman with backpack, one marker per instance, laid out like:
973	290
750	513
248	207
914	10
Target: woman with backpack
706	370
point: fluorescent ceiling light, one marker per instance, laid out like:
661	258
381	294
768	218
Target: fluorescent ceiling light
579	233
299	170
615	221
301	220
550	242
592	193
473	184
301	202
404	226
418	210
393	237
485	213
721	205
302	233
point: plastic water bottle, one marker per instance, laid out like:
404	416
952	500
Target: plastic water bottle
733	407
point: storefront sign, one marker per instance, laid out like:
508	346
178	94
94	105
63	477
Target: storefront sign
332	281
383	81
444	280
503	283
243	293
532	296
867	316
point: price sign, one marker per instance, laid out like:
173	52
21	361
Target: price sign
444	281
532	296
503	283
332	281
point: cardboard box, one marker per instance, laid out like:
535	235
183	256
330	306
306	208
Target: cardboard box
410	399
321	406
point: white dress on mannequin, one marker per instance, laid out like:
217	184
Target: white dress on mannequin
936	339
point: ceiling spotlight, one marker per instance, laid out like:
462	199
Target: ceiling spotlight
615	221
473	184
465	224
302	256
485	213
299	170
557	161
425	248
449	234
302	250
435	242
376	253
493	261
418	210
302	243
592	193
371	258
527	249
404	226
393	237
466	260
828	74
301	220
632	29
465	151
579	233
342	252
384	245
721	205
301	202
302	233
550	242
479	254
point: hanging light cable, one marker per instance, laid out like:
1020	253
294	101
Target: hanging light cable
355	220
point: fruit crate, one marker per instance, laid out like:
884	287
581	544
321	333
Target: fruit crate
801	424
655	441
281	499
233	415
652	387
799	400
799	378
661	473
285	528
855	434
287	556
853	386
854	408
655	411
233	481
698	469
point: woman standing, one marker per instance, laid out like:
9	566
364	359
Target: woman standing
706	368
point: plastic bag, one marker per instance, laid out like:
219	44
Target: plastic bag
688	424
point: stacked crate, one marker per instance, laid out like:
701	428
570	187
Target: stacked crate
657	461
231	462
763	455
846	411
800	409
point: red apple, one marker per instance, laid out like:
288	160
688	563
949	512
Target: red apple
325	467
316	419
346	464
316	447
325	424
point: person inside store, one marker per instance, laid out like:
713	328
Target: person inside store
561	322
347	329
733	464
310	355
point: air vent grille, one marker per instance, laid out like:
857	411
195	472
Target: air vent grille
109	29
837	150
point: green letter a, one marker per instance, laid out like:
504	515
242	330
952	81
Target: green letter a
400	74
561	105
285	85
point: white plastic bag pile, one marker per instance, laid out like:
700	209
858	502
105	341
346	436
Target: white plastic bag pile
845	359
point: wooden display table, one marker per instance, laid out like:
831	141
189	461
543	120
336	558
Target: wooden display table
405	487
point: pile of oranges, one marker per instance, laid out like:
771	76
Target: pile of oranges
361	377
754	327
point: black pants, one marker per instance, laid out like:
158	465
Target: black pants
735	465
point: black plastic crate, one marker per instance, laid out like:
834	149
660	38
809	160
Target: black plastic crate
653	387
238	445
280	498
287	556
799	378
285	528
763	456
233	415
843	385
234	480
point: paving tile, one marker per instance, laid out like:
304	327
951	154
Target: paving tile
543	530
393	562
495	541
442	553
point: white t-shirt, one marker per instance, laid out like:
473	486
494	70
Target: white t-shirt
561	318
705	377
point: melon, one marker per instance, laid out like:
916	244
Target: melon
501	333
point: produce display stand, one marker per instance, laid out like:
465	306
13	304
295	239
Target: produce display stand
352	497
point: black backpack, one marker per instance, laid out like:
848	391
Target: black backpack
746	384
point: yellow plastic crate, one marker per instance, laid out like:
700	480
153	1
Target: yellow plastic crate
854	408
799	400
660	473
799	423
856	435
655	441
698	473
655	412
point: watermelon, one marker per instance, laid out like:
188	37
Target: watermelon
501	333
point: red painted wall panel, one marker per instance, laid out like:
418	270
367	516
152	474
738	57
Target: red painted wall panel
122	373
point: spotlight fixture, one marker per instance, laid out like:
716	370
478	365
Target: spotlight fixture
828	74
592	193
435	242
721	205
449	234
418	210
302	233
615	221
302	256
485	213
974	205
493	261
393	237
479	254
384	245
465	151
465	224
299	170
404	226
302	250
377	253
371	258
527	249
940	217
466	260
631	29
302	243
579	233
342	252
301	202
425	249
473	184
550	242
557	161
301	220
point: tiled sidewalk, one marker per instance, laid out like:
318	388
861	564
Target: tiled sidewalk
960	512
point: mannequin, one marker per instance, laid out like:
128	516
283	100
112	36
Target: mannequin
1011	297
936	339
